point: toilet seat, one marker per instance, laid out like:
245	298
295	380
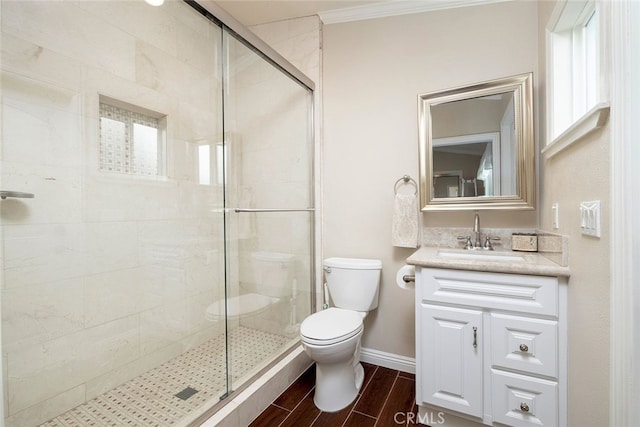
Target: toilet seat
238	306
331	326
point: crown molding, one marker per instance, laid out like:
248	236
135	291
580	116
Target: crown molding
395	8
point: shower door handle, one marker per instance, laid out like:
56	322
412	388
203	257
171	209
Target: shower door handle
242	210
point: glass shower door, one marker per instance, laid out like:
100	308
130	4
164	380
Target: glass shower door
112	117
269	219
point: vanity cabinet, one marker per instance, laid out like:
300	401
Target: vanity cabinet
491	347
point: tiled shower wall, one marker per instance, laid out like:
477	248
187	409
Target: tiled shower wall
105	275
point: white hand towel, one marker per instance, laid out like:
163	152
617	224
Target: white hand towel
404	228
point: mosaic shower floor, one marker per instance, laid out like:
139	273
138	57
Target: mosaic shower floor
149	400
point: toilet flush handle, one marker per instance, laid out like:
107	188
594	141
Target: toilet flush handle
326	297
327	270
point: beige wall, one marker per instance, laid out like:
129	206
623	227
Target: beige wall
581	173
373	73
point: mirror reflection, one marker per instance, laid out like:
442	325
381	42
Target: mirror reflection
477	146
475	138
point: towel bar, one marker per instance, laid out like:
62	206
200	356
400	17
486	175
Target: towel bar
241	210
19	194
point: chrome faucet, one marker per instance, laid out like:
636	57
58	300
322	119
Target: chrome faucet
476	243
476	231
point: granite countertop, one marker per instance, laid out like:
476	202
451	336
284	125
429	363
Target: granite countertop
531	263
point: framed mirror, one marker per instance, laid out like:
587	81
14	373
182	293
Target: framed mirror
477	148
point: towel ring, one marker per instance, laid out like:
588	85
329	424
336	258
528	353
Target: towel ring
406	179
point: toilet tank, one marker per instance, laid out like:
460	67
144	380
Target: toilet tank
271	274
353	282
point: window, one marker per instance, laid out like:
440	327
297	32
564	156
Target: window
222	162
212	165
131	140
573	70
204	164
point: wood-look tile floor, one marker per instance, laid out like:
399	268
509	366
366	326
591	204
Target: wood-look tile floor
386	399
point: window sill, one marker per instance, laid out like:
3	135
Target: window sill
592	120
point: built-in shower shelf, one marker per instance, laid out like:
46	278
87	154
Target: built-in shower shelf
18	194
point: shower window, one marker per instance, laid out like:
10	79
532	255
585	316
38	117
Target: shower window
204	164
131	141
213	164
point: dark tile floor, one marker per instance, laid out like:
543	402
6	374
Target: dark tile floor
387	399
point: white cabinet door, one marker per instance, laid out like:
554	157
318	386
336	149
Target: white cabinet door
450	365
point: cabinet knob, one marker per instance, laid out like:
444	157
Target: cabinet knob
524	348
524	407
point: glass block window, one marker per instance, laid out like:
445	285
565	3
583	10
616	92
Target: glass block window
130	141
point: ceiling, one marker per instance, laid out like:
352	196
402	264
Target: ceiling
254	12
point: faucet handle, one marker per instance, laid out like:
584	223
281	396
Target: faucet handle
467	244
487	242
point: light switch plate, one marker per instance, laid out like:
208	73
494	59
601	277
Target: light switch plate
555	216
590	218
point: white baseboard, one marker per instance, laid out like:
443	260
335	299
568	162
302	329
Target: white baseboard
388	360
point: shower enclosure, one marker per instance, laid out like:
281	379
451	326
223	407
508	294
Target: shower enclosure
166	255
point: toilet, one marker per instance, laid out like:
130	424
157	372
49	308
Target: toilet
331	337
270	273
269	282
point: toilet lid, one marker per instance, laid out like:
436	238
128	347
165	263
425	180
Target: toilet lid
330	324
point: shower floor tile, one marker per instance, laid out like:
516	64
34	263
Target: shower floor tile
150	399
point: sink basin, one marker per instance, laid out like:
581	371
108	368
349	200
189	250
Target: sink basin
480	256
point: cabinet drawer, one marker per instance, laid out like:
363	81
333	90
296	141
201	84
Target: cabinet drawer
522	401
516	292
524	344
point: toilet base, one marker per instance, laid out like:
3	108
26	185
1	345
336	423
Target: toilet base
337	385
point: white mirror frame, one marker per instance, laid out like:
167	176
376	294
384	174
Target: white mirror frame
524	199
